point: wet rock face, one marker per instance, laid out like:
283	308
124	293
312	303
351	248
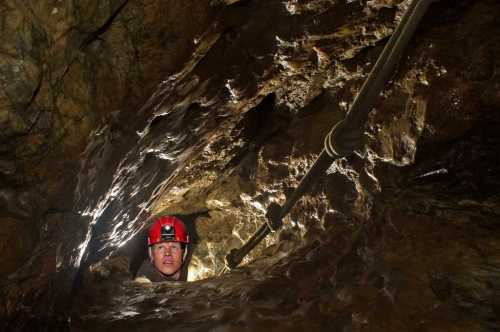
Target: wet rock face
67	67
15	249
401	236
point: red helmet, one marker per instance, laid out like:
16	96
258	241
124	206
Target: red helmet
167	228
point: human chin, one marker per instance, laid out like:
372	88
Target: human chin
168	267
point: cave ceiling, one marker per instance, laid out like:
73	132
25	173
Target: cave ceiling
116	111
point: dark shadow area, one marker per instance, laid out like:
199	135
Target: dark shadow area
259	125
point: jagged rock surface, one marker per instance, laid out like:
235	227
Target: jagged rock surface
67	67
402	236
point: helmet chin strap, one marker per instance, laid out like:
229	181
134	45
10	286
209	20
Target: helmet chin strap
184	256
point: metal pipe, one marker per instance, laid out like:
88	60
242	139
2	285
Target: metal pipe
320	166
235	256
354	120
385	65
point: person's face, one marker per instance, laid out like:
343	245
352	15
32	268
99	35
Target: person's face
167	258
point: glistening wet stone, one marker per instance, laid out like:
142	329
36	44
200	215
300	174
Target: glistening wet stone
372	246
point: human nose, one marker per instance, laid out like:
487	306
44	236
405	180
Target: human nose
167	251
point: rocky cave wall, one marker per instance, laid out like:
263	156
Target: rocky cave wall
66	68
400	236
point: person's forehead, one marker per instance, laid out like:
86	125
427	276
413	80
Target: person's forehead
167	242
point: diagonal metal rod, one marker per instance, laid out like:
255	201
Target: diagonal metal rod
355	120
386	63
320	166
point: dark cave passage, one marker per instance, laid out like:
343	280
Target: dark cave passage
213	111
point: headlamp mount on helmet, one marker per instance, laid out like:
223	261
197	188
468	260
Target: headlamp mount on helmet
167	233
